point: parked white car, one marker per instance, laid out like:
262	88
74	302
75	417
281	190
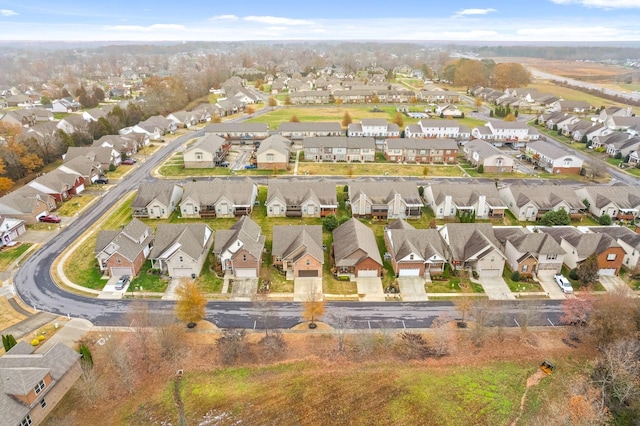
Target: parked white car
564	283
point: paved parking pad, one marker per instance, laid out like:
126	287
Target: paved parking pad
412	289
495	288
305	289
610	282
370	289
244	289
549	285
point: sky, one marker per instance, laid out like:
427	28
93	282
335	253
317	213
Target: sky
408	20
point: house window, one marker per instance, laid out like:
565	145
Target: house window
26	421
43	403
270	158
38	388
181	259
552	256
199	156
611	256
308	262
244	257
118	260
525	268
410	257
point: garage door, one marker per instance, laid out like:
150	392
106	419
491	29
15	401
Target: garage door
607	271
409	272
182	272
246	273
116	272
489	272
368	273
305	274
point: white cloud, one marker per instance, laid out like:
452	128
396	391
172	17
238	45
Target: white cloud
603	4
275	20
140	28
7	12
224	18
468	12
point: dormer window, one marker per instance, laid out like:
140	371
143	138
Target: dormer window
39	387
410	257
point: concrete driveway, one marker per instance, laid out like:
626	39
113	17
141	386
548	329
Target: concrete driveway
412	289
306	288
610	282
370	289
244	289
109	290
495	288
549	285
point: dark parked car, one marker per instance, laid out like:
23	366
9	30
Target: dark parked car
102	180
49	219
122	281
128	162
251	166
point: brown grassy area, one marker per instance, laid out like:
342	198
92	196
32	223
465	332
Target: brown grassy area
309	383
8	316
573	69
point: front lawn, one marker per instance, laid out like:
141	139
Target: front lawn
378	169
8	255
523	285
146	281
75	205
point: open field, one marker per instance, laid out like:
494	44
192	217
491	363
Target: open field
568	93
311	384
590	71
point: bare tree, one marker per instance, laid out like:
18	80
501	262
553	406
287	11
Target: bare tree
525	316
575	313
232	345
596	169
265	312
481	313
121	364
340	321
617	374
443	334
615	315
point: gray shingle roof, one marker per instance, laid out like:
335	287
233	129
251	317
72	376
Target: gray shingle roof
625	197
548	150
247	232
130	242
22	200
20	372
277	143
190	237
467	194
382	192
338	142
236	127
621	233
207	193
295	191
147	192
585	244
353	242
484	149
416	143
287	240
546	196
310	126
208	143
405	239
469	239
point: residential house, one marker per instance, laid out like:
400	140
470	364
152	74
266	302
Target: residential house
301	198
531	202
124	145
19	117
10	229
448	111
93	114
358	96
578	107
628	124
553	159
373	127
239	249
403	150
58	184
628	240
32	384
124	252
397	199
301	130
297	250
156	200
618	202
310	97
473	246
339	149
515	133
414	252
180	249
65	105
27	204
218	198
530	253
435	128
72	123
481	153
613	111
448	200
19	100
207	151
183	119
102	155
273	153
438	96
83	166
239	131
578	246
617	143
354	252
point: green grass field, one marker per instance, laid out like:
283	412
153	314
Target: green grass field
9	255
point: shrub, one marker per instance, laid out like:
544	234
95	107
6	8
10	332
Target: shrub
605	220
35	342
515	276
481	168
40	338
573	274
112	167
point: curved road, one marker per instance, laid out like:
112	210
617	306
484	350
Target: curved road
35	286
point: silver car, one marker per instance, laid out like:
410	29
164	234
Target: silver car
564	283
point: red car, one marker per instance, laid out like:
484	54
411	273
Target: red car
128	162
49	219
